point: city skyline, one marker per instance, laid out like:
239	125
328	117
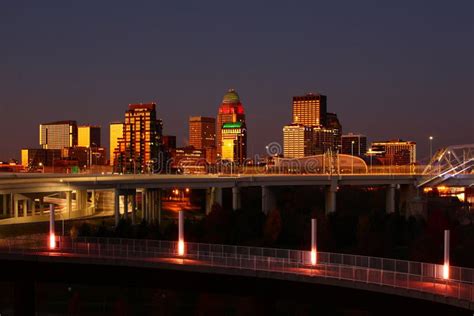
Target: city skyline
383	82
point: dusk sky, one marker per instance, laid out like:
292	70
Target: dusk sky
390	69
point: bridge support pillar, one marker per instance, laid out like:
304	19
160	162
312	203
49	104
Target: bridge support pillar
81	201
330	200
268	200
4	204
25	208
117	206
390	199
236	198
68	204
15	207
158	205
125	206
144	205
93	202
153	205
213	196
33	207
134	207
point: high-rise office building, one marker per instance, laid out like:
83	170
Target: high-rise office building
58	135
325	139
116	133
310	109
394	152
202	135
141	144
38	157
202	132
88	136
230	111
355	144
234	142
297	141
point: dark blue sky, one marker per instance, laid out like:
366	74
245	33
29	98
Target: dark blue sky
389	68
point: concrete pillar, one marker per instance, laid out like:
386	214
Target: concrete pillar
33	207
213	196
117	206
143	205
236	198
330	200
41	206
15	207
158	194
25	207
151	205
268	200
68	204
125	205
4	204
134	207
390	199
93	202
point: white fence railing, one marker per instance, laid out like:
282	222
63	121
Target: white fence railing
416	276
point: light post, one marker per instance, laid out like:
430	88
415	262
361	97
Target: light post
181	233
352	158
52	236
314	256
431	147
446	255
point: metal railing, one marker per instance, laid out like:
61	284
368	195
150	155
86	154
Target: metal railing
415	276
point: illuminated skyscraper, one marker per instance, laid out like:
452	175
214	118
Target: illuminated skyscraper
309	110
116	133
202	135
234	142
58	135
140	146
297	141
230	111
394	152
88	136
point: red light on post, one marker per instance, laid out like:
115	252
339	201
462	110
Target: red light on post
181	233
52	236
52	241
446	255
314	255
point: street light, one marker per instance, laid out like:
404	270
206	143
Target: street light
352	154
431	147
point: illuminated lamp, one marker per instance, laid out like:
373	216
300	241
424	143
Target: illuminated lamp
181	233
52	236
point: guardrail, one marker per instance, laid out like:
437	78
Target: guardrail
416	276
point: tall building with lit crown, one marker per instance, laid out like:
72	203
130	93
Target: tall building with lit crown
58	135
234	142
139	148
230	111
116	133
297	141
395	152
310	109
88	136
